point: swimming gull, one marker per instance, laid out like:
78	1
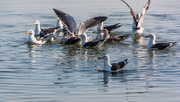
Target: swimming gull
104	34
158	46
43	32
91	44
32	39
114	67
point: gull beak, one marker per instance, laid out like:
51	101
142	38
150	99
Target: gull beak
27	32
57	18
78	36
100	57
146	36
35	23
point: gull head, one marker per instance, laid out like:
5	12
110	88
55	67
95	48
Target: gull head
151	36
37	22
105	57
83	36
31	32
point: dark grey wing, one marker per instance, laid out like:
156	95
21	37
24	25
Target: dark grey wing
123	37
113	39
115	67
84	26
72	40
112	27
131	11
118	66
92	43
162	46
67	20
48	31
123	63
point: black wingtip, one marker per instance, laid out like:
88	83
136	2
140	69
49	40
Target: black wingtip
126	60
118	25
174	42
101	18
55	9
58	12
123	63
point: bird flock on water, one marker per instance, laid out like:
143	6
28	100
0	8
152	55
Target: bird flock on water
67	24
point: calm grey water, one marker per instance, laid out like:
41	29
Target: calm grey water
67	73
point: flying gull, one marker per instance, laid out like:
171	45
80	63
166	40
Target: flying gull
158	46
138	19
114	67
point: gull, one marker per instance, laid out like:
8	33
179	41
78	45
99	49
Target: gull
114	67
158	46
32	39
91	44
110	39
71	26
43	32
37	27
104	34
138	19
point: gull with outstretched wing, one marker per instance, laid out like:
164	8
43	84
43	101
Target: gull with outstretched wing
138	18
71	26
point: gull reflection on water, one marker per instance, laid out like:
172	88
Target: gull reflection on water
30	49
106	76
151	57
137	40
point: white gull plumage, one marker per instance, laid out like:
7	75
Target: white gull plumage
60	24
37	27
32	39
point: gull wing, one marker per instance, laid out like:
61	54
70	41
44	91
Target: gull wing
162	46
145	8
131	11
84	26
68	21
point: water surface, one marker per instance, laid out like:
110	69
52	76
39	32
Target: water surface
68	73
